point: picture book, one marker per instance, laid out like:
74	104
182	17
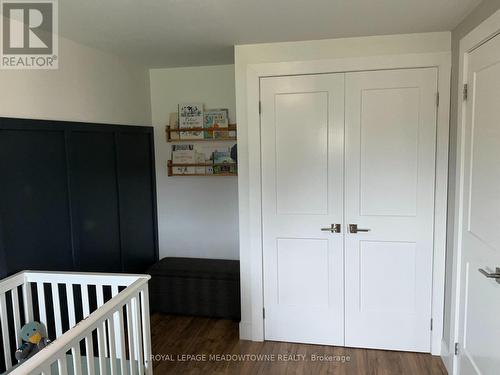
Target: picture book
220	159
191	116
183	154
216	118
174	124
205	153
200	159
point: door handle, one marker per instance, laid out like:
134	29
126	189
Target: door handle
491	275
334	228
353	228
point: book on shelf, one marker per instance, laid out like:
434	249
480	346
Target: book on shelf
220	159
205	153
231	133
200	159
191	116
216	118
183	154
174	124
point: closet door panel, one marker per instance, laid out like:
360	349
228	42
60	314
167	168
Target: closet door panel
389	179
136	190
302	129
34	199
95	200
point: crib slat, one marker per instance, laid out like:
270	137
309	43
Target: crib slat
138	333
100	296
17	315
112	350
5	332
116	322
46	370
85	300
101	350
146	331
100	302
121	349
71	305
41	304
27	302
62	365
77	359
131	333
57	309
89	350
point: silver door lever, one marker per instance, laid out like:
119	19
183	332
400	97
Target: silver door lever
353	228
334	228
491	275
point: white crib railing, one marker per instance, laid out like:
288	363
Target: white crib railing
99	323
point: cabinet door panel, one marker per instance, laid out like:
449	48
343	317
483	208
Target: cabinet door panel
34	201
95	201
137	216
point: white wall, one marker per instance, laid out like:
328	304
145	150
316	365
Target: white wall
90	85
198	216
248	56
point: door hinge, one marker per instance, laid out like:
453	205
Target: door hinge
260	107
437	99
457	348
466	92
432	324
263	313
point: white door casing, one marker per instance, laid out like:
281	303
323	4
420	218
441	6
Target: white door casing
479	324
389	189
302	170
249	73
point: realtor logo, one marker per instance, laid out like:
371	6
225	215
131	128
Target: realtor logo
29	34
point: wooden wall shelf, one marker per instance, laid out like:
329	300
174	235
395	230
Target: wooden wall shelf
172	165
230	128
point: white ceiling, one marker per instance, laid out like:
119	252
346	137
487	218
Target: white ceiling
165	33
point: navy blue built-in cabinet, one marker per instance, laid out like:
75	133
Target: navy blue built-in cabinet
76	197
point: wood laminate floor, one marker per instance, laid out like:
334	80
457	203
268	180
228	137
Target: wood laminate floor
189	345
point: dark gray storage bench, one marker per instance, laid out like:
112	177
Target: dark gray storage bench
196	286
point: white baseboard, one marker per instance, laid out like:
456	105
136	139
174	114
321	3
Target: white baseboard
447	357
437	349
245	331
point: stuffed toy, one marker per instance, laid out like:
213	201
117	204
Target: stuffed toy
34	340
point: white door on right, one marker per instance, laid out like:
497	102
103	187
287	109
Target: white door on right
480	242
390	137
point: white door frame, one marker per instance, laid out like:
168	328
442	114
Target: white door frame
254	72
482	33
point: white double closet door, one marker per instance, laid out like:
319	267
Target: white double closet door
341	149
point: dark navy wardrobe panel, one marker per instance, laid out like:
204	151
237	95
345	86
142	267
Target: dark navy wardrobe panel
34	200
76	196
136	169
95	197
